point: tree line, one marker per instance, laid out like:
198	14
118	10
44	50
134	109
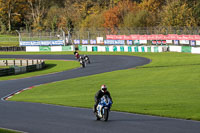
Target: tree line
39	15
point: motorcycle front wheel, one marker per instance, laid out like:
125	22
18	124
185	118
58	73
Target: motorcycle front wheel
106	114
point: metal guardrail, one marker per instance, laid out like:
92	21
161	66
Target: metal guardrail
28	67
20	62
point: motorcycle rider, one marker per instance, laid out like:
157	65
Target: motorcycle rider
82	61
86	58
103	91
76	55
81	58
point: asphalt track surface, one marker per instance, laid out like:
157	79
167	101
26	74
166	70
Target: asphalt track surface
44	118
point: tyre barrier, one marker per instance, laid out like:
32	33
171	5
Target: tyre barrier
7	71
12	48
21	69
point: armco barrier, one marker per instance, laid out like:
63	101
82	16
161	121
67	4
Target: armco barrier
22	69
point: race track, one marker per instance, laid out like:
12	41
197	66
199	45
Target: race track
43	118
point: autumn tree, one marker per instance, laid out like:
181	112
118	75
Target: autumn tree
152	8
11	12
196	11
52	19
177	13
39	9
114	16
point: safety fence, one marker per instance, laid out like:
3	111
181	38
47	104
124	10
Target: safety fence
20	66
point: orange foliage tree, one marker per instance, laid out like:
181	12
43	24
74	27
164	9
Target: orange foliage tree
114	16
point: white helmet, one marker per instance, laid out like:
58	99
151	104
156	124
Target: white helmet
103	88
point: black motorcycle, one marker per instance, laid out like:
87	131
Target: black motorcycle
82	63
87	60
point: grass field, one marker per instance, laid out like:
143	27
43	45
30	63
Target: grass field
52	66
9	40
169	86
8	131
13	40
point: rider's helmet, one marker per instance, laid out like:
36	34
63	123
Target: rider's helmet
103	88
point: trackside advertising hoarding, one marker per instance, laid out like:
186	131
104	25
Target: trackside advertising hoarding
153	37
42	43
114	42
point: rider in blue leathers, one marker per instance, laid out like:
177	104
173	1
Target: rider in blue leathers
100	94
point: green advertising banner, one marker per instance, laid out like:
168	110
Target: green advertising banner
94	48
155	49
45	48
122	48
66	48
129	49
136	49
148	49
82	48
114	48
186	49
107	49
143	50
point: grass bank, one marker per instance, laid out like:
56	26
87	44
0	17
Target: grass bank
8	131
169	86
9	40
52	66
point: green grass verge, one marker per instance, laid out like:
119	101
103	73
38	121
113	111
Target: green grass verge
52	66
9	44
8	131
9	40
169	86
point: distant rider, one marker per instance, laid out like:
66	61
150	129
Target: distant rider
81	58
99	95
76	55
86	58
75	52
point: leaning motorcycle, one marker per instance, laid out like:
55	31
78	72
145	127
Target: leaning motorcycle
87	60
82	63
103	108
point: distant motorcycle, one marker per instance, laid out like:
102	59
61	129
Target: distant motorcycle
77	56
82	63
87	60
103	108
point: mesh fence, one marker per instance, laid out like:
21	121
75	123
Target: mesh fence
42	36
93	33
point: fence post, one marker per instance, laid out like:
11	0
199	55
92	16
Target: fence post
64	38
19	36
